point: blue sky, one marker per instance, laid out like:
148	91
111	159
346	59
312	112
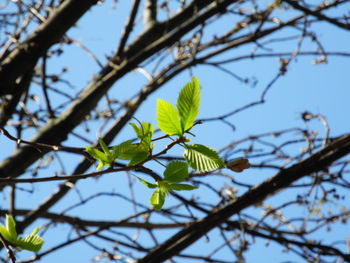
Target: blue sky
320	89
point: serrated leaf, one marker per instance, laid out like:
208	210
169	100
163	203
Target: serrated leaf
157	199
176	172
168	118
30	242
188	103
10	225
149	185
181	187
202	158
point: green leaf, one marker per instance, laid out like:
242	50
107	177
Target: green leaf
138	157
202	158
176	172
136	153
104	147
35	230
128	150
10	225
120	149
168	118
180	187
157	199
5	233
149	185
188	103
30	242
144	133
96	154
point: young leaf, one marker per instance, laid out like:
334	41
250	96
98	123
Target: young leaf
138	158
30	242
10	225
35	230
188	103
168	118
104	146
144	133
97	154
180	187
5	233
202	158
176	172
157	199
149	185
120	149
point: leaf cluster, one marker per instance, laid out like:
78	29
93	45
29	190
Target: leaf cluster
134	152
174	173
31	242
173	121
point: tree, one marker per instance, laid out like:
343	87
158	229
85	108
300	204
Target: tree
51	109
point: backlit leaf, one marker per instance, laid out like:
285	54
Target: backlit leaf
30	242
10	225
5	233
157	199
176	172
104	146
149	185
188	103
202	158
168	118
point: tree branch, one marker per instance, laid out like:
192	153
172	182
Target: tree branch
316	162
25	55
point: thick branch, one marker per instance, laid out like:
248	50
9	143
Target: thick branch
23	58
257	194
57	130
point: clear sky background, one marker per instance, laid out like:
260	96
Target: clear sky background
321	89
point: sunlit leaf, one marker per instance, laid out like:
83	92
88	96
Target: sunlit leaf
97	154
35	230
188	103
149	185
30	242
144	132
181	187
104	146
138	157
176	172
10	225
202	158
157	199
5	233
119	150
168	118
